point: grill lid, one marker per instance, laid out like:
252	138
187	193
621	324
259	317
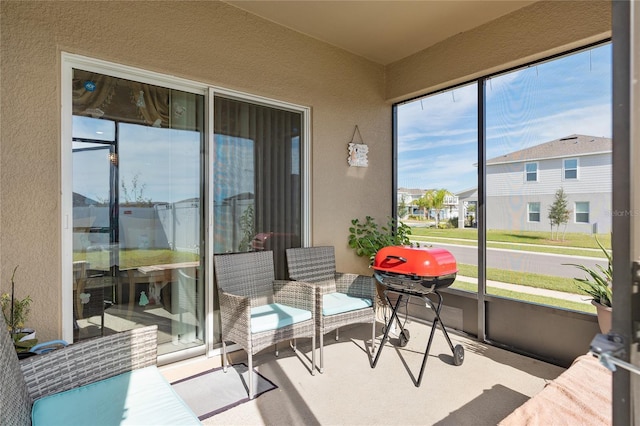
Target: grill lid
415	261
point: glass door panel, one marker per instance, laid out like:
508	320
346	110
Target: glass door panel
137	209
257	194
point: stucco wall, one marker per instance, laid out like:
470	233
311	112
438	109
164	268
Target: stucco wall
205	41
533	32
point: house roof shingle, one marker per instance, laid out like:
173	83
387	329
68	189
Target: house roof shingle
564	147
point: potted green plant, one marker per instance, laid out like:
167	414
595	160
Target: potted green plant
367	237
598	284
15	313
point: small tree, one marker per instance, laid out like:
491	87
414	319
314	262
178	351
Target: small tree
134	195
559	213
403	207
247	227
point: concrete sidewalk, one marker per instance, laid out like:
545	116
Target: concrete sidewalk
580	298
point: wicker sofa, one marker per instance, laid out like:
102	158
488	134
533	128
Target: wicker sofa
109	380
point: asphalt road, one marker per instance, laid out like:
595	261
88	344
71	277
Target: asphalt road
517	260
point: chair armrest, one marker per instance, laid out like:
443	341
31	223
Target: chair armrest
90	361
235	315
356	285
298	294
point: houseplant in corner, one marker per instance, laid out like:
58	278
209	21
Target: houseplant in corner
598	284
367	237
15	313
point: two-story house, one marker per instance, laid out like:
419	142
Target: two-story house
522	185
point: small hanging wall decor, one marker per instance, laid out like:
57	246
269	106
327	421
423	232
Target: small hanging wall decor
357	151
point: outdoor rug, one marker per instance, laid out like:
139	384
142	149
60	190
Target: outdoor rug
214	391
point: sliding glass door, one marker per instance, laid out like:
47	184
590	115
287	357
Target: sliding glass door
163	177
137	211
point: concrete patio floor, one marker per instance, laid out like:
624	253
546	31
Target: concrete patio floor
489	384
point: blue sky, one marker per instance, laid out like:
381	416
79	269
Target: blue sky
165	161
437	135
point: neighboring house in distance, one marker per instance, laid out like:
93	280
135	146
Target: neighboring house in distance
521	185
467	205
409	196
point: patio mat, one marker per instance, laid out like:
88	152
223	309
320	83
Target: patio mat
215	391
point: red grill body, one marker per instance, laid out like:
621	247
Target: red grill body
415	270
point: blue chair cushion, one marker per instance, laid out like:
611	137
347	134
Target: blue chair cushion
338	303
138	397
275	315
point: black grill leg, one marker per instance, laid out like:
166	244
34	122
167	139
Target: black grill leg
388	327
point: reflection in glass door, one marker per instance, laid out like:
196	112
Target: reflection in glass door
137	210
257	186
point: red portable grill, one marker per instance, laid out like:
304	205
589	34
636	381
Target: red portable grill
410	271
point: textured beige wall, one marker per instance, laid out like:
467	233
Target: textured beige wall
216	44
534	32
205	41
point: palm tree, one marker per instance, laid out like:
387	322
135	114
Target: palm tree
437	197
424	203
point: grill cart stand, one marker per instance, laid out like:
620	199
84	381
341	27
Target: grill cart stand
391	271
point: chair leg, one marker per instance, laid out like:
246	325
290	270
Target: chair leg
321	353
250	362
224	356
313	356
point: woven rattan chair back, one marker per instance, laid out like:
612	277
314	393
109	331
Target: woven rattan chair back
15	403
246	274
316	265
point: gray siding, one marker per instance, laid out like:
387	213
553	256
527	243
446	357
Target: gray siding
510	212
594	175
508	193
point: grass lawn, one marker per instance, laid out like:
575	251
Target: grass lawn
573	240
541	300
574	244
567	285
135	258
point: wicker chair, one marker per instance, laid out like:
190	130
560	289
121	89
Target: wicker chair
341	299
86	362
259	311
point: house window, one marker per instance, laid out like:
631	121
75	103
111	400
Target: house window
582	211
570	167
531	172
533	210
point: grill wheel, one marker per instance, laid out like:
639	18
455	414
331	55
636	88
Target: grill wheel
458	355
404	337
